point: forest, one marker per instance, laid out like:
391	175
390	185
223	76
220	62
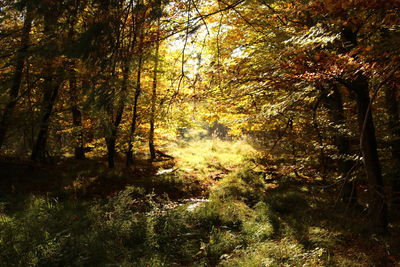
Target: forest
199	133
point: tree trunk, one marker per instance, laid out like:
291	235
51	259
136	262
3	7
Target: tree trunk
154	95
129	153
334	103
51	88
79	150
377	201
17	78
76	115
110	142
394	128
112	138
53	78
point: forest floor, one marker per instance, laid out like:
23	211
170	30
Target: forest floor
214	203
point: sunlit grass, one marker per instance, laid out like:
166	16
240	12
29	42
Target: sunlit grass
212	155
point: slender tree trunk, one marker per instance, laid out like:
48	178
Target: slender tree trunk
154	94
51	87
110	142
129	153
334	104
17	78
53	79
126	45
76	115
377	201
112	138
394	128
73	90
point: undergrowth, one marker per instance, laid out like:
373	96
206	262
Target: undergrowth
249	219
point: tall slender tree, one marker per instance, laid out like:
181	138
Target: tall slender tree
19	63
53	75
154	93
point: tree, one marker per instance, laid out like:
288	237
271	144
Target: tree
79	150
138	89
154	93
19	63
334	104
53	75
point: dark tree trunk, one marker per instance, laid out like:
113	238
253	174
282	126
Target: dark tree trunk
394	129
334	103
112	139
17	78
125	43
51	88
53	75
129	152
154	95
79	150
377	201
76	116
110	142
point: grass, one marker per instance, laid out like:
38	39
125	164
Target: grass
212	156
135	229
96	217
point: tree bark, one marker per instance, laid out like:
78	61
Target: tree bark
125	57
377	202
393	124
53	75
138	90
154	95
17	78
79	150
110	142
51	88
377	205
334	104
